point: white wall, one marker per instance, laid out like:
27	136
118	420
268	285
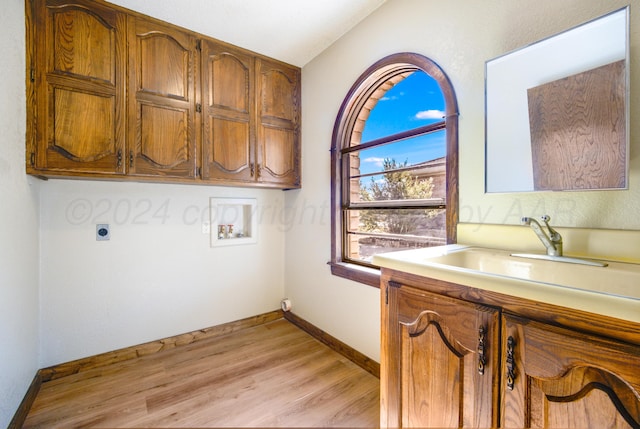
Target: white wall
157	276
460	36
18	224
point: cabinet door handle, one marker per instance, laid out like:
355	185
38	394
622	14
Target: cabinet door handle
253	171
131	159
258	170
511	366
119	157
482	358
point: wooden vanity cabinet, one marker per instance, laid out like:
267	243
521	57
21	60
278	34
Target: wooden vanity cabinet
161	100
439	362
558	378
79	49
115	94
545	366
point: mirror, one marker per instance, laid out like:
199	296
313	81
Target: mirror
556	111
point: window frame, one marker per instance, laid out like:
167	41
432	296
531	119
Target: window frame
362	90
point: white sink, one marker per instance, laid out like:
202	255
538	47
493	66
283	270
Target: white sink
499	270
612	290
615	278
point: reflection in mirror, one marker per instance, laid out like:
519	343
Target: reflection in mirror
557	111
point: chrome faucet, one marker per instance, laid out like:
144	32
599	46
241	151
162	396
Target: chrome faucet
553	241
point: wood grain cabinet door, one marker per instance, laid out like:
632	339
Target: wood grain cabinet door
228	108
162	100
439	365
278	123
556	378
80	59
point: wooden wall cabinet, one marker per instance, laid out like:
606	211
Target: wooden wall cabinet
78	120
112	94
161	100
541	369
229	96
278	119
251	119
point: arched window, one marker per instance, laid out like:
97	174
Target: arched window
394	162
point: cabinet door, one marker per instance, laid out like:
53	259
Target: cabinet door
162	100
80	87
278	122
228	99
556	378
439	361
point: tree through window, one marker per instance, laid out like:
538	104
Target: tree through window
394	164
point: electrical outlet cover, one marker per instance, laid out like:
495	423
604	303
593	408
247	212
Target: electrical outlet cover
103	232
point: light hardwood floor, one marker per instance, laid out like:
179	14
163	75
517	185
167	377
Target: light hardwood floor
271	375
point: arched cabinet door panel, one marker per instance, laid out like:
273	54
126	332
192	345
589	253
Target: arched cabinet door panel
79	87
228	106
162	100
278	123
564	379
444	354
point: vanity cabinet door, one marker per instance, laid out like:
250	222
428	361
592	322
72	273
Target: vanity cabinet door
162	100
79	88
439	363
558	378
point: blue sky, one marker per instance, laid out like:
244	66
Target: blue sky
416	101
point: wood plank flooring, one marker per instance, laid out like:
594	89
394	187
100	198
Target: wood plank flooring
271	375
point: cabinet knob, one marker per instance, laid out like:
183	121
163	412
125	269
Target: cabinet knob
511	366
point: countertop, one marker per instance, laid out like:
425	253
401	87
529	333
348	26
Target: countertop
620	303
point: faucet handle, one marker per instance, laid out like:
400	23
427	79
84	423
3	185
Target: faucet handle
553	234
553	241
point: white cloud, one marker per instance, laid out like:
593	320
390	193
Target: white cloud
393	97
374	160
430	114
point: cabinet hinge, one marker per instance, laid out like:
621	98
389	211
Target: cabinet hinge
32	75
199	171
198	107
386	296
32	159
199	45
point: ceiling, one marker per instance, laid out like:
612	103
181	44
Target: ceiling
293	31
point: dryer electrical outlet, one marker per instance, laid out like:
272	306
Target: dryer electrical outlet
103	232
